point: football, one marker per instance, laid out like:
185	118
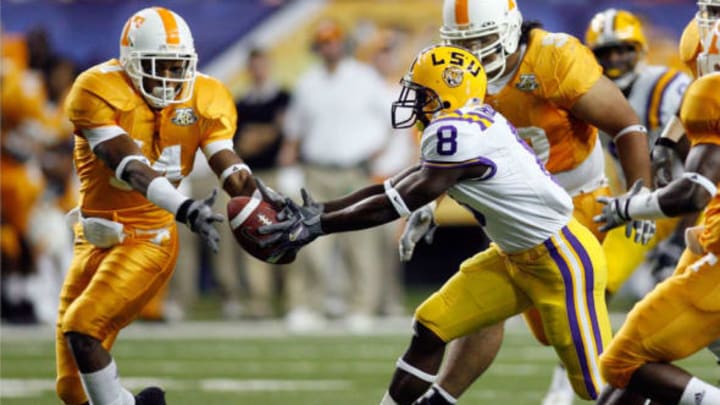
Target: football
245	216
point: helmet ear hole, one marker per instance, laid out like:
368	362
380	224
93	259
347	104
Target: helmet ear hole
446	104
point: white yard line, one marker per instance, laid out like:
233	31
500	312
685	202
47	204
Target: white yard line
17	387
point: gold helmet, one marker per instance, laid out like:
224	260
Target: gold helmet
616	37
441	78
615	27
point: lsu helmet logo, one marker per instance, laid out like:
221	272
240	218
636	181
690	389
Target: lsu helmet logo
184	117
453	76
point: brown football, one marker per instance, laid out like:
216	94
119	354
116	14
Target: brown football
245	216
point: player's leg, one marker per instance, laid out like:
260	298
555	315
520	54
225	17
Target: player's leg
678	318
481	294
127	277
568	288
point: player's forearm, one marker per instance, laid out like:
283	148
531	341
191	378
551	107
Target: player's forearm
367	213
635	157
352	198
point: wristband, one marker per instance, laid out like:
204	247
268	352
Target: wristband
666	142
232	169
396	199
124	162
629	129
163	194
644	206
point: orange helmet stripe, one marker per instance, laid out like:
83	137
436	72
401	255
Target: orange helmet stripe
511	4
124	39
461	12
171	28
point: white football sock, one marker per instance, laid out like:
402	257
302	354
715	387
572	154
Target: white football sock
103	387
387	399
446	395
698	392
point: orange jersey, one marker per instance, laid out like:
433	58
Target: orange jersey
554	73
700	114
103	98
690	46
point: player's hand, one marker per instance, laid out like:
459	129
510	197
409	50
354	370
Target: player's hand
662	159
420	224
301	227
200	217
615	213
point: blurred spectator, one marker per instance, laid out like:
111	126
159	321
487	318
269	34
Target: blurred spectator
336	125
38	185
261	112
381	50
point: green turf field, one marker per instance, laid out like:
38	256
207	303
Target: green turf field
213	363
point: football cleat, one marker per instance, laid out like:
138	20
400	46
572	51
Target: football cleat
150	396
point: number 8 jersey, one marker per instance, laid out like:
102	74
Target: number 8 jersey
517	202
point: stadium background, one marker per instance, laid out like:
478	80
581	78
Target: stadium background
318	369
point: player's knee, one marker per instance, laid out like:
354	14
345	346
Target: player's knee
69	390
81	345
425	340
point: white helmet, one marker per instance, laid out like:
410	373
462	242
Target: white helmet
708	60
158	34
476	19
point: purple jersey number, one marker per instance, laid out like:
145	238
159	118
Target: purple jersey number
447	140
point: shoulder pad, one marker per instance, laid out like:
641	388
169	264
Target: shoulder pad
212	98
109	82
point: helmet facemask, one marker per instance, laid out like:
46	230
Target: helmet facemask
415	103
708	13
708	60
619	61
162	79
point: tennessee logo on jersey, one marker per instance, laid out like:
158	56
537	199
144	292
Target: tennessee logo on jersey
184	117
527	82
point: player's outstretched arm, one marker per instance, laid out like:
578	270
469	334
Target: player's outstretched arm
234	176
123	156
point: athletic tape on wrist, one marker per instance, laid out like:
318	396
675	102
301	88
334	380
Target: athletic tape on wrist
163	194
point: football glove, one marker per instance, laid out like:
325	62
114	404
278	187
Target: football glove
615	214
420	225
199	217
301	227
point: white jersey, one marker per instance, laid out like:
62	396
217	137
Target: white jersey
656	95
517	202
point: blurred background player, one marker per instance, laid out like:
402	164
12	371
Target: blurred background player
655	93
551	88
336	125
138	123
682	314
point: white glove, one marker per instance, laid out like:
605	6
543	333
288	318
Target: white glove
615	214
420	224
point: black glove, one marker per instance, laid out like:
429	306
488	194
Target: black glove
662	159
199	217
301	227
